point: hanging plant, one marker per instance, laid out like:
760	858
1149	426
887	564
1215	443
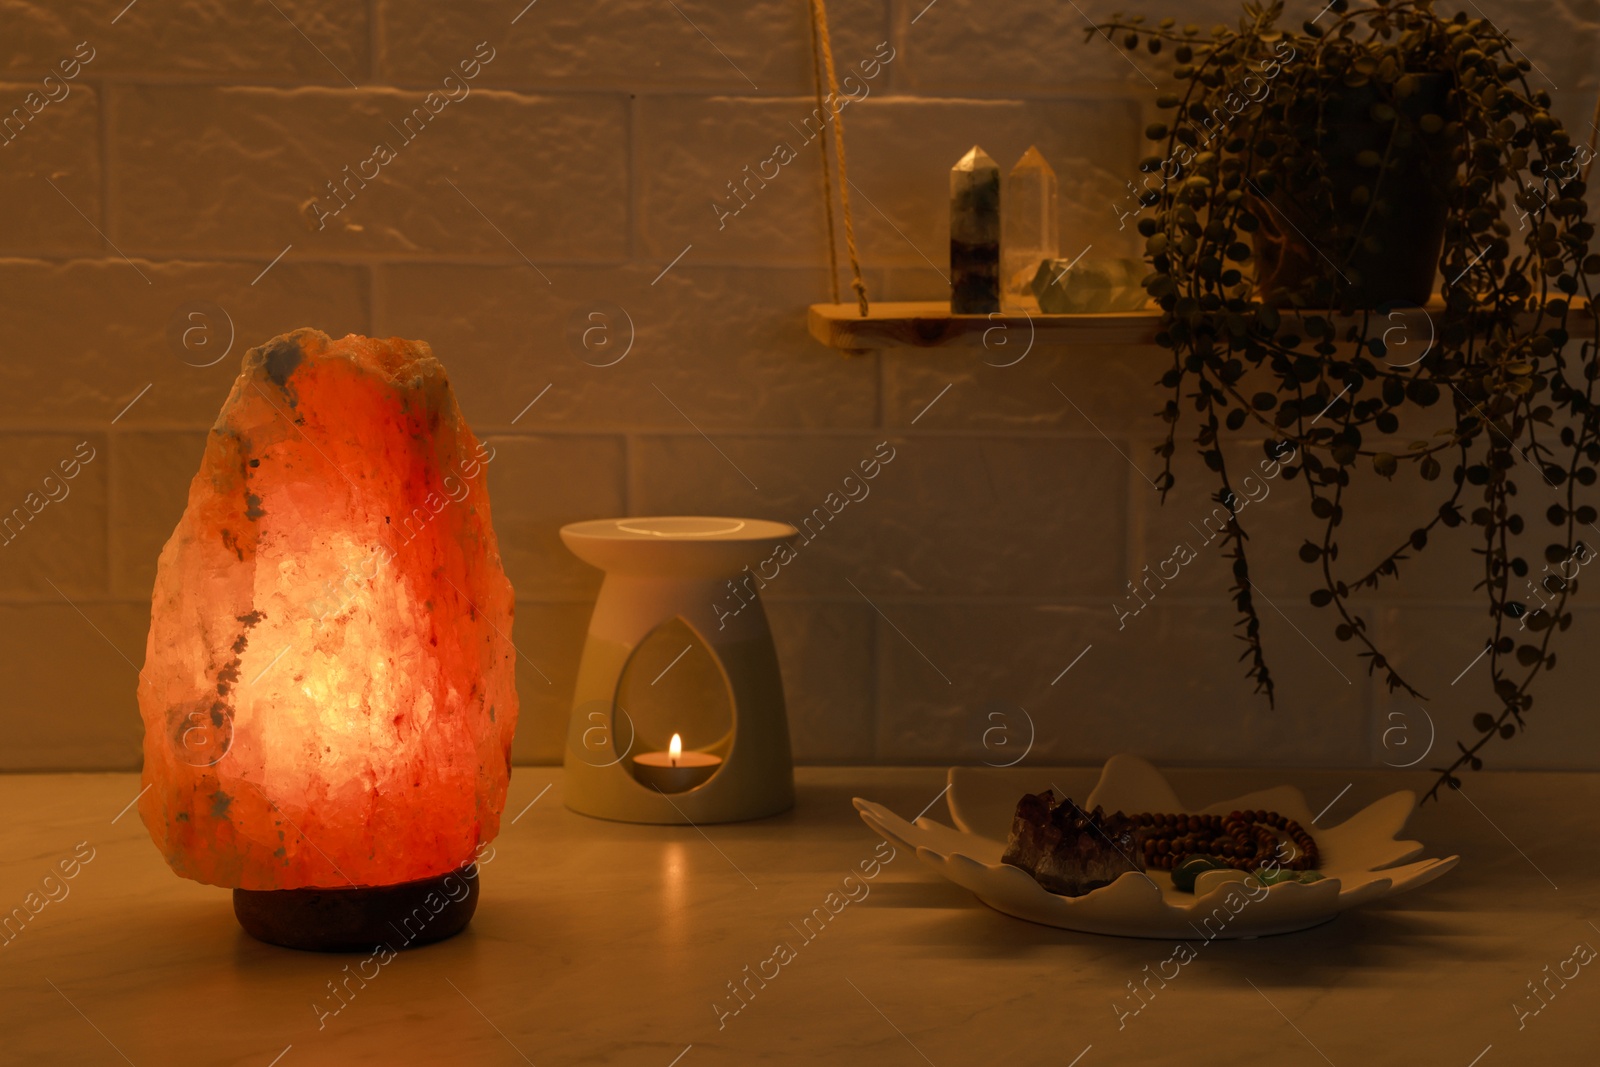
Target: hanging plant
1308	189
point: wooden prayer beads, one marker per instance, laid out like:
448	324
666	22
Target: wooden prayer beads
1243	840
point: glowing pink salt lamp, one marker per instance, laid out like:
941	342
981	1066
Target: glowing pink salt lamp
328	692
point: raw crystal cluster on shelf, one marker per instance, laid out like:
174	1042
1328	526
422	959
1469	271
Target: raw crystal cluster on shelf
975	235
1029	231
1067	288
328	692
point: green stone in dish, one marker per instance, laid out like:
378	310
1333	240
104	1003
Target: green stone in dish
1184	874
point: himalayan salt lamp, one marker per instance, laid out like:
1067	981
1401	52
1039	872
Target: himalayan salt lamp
328	691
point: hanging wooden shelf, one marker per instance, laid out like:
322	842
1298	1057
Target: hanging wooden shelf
929	324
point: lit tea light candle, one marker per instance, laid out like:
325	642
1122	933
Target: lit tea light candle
675	770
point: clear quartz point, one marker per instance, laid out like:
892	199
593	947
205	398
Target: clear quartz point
1029	230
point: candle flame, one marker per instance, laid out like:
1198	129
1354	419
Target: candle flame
675	749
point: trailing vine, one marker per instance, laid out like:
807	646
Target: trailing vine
1269	227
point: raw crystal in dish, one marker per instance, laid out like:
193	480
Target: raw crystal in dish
1067	850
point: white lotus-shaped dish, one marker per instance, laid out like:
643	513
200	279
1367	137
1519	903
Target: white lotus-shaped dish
1362	860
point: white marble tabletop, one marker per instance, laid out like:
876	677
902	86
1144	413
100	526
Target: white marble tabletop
600	942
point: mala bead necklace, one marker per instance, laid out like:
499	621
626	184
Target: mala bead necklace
1243	840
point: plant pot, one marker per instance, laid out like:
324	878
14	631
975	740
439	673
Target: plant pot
1295	245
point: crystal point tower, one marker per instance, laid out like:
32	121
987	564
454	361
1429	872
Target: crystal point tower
1029	229
975	234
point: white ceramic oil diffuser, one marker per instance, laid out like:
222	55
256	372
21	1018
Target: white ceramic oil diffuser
692	582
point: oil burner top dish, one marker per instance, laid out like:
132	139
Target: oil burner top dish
1361	859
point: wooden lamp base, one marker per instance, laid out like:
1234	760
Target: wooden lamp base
362	918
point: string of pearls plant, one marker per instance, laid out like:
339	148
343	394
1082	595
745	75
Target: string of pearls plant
1310	186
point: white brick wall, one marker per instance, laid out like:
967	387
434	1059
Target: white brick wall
586	157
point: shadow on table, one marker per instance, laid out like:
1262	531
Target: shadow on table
1372	938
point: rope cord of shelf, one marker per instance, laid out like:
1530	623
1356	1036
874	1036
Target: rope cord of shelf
822	150
822	62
